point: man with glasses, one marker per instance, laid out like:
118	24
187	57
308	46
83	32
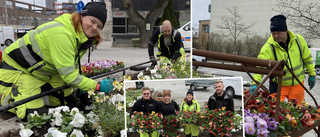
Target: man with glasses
146	105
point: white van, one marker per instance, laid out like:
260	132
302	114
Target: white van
315	53
6	35
185	31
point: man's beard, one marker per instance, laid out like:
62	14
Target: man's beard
167	40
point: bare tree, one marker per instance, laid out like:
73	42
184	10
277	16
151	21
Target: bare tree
254	43
232	27
302	15
141	22
215	42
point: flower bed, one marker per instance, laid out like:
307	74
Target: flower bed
98	67
260	116
146	123
219	122
165	70
104	119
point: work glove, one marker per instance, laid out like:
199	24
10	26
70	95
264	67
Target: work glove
105	86
153	60
311	81
252	88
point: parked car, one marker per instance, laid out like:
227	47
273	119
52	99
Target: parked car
232	85
196	83
198	58
6	35
20	32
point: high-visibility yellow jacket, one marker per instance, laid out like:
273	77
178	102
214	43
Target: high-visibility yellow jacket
292	58
194	106
52	48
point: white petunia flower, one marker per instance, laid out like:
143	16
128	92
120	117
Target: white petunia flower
132	103
147	78
92	117
74	111
140	75
123	133
51	111
99	130
65	108
58	109
35	113
116	98
57	133
78	133
153	71
49	131
78	120
25	132
58	119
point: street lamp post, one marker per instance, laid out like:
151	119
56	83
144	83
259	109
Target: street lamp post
6	11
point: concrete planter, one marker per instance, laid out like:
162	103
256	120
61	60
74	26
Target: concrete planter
135	42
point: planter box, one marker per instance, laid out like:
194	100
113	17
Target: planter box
297	133
136	42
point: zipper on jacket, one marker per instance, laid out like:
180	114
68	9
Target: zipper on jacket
168	49
148	107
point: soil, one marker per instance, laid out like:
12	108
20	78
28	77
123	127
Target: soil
10	127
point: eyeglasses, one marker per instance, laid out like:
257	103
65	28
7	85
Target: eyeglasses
145	93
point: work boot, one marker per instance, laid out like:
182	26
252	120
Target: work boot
188	135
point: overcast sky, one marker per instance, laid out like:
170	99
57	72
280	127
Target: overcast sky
199	11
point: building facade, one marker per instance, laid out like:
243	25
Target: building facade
252	11
124	29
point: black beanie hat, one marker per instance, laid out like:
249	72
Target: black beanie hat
278	23
96	9
190	92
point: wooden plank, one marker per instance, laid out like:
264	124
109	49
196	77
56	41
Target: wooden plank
297	133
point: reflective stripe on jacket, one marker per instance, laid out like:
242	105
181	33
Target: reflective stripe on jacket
292	58
51	49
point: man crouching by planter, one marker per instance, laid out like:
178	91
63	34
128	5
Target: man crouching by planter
169	42
220	99
146	105
49	57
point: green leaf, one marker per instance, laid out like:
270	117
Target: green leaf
69	128
46	117
272	134
49	135
29	126
29	118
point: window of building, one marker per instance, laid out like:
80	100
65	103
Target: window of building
131	27
119	25
205	28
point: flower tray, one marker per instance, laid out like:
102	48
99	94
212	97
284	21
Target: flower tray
297	133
